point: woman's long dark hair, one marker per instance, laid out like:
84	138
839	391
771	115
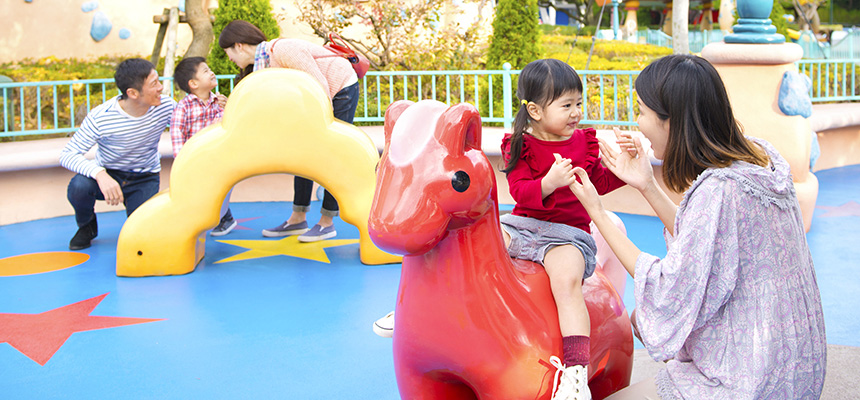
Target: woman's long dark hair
239	31
540	82
703	132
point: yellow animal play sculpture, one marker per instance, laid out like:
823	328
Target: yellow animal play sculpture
276	121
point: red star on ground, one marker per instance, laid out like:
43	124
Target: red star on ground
39	336
239	221
851	208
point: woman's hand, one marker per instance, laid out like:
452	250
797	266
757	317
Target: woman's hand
560	174
625	141
631	165
584	190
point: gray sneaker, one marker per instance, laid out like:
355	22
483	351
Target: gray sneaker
227	224
286	229
318	233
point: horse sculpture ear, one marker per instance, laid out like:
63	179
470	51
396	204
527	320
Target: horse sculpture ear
392	113
459	127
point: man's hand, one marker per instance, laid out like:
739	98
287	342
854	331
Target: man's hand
110	188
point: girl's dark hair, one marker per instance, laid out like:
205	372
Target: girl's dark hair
239	31
132	73
703	132
185	71
541	82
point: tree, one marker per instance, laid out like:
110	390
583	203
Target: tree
515	34
680	21
201	28
257	12
403	34
808	12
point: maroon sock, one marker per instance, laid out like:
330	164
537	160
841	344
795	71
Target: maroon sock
577	350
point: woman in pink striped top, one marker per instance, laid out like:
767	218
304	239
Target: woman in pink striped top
247	47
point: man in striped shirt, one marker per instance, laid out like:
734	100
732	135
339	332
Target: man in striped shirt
126	167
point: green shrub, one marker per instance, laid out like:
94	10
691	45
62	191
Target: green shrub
776	18
515	34
841	15
54	69
38	110
257	12
515	40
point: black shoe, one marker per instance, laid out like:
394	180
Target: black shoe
84	237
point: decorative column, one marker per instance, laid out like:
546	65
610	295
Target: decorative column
667	20
758	69
726	18
707	16
631	23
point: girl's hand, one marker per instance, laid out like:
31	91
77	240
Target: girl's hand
631	166
584	190
560	174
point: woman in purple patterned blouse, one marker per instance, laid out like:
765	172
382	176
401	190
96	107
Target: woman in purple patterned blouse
734	307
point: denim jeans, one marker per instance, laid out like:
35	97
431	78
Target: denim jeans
343	104
136	188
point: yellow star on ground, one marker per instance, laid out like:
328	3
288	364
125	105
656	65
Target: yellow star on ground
289	246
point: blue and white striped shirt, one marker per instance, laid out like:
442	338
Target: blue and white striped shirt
125	143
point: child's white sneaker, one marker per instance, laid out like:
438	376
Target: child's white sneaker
572	384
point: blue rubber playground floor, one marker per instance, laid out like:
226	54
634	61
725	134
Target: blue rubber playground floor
257	321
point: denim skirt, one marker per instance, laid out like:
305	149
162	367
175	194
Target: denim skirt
532	238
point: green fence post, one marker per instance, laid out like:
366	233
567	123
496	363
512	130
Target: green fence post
506	92
7	121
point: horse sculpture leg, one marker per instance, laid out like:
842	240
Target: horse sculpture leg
420	386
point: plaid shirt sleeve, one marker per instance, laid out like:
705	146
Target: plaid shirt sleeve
178	127
190	116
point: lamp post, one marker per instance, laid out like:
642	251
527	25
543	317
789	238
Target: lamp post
616	31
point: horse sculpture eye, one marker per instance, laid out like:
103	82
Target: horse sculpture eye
460	182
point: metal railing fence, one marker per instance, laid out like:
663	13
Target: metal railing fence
39	109
832	80
845	44
697	40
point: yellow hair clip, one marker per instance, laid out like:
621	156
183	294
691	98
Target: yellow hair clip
525	102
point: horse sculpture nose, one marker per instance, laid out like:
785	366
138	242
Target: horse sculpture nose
407	237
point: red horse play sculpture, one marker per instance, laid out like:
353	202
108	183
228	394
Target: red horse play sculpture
470	322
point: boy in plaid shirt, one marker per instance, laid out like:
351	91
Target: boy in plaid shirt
200	108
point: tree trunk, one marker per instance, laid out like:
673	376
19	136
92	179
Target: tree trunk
680	18
201	27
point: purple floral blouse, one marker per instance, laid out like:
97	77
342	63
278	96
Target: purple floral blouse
734	306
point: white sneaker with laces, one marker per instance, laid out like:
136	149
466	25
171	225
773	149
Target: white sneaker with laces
572	384
384	326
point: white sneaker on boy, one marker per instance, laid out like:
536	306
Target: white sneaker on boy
384	326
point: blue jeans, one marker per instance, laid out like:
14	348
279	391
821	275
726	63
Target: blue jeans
136	188
343	105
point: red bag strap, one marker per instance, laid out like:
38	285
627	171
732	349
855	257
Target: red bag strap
338	41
